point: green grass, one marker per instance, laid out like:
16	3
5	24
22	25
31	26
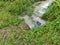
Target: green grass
6	19
48	34
9	11
45	35
52	12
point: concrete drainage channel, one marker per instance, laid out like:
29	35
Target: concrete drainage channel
34	20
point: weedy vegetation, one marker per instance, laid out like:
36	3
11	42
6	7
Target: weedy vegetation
48	34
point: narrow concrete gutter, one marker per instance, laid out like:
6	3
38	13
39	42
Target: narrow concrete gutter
35	20
40	9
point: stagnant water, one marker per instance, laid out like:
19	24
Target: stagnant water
39	10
